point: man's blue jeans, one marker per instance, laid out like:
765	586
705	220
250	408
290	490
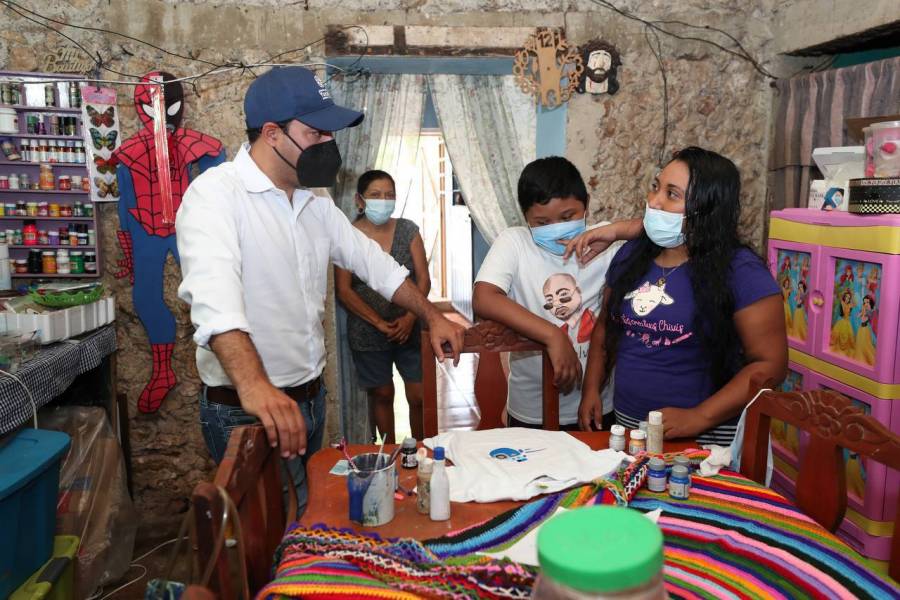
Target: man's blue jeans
217	421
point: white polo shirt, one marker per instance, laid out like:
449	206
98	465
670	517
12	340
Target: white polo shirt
253	261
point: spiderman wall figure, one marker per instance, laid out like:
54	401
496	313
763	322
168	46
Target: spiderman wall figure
145	239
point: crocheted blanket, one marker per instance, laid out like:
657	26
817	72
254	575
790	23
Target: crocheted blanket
731	539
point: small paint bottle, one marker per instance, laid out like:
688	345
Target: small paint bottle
638	441
656	476
679	483
685	462
408	454
617	438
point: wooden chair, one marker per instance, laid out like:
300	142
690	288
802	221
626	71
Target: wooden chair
833	423
488	338
250	473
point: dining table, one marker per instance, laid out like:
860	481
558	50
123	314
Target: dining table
731	538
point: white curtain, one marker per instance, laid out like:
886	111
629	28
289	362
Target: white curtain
489	129
387	139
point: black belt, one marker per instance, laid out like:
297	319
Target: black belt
306	392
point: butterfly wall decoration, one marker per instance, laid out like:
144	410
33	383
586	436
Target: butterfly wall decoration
105	165
104	141
106	118
104	188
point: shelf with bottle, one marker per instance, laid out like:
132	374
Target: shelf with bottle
50	247
30	218
28	163
52	275
42	136
66	192
46	109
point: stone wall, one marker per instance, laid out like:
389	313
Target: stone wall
716	101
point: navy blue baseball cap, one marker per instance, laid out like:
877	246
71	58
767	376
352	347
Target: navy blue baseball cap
286	93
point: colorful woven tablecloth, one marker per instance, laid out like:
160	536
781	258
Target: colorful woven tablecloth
731	539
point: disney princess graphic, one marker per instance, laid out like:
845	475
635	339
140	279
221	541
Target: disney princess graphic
872	280
562	299
842	335
865	348
786	294
799	321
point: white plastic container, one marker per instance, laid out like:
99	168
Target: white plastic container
886	148
5	278
9	120
440	488
64	324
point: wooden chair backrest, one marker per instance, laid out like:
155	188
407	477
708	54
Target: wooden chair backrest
488	338
833	423
251	474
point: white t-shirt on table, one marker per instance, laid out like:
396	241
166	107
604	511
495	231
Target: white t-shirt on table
560	291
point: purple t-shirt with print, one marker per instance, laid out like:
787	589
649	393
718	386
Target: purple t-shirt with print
660	361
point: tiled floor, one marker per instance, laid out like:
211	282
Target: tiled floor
456	397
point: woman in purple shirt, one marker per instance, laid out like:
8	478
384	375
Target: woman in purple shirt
691	316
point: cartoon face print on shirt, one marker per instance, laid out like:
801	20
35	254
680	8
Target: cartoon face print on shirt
562	296
648	297
563	300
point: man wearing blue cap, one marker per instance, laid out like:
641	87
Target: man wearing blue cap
255	244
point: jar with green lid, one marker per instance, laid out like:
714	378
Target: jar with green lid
76	261
600	552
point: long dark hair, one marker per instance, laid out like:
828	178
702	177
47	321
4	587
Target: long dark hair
712	208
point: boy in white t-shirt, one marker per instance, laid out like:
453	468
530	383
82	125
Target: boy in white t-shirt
527	284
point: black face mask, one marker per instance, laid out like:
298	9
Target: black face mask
318	164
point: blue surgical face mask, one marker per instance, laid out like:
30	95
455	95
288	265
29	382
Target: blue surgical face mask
545	236
379	211
664	228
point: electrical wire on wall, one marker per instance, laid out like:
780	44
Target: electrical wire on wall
215	68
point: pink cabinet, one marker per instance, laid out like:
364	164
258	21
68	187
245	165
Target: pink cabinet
840	280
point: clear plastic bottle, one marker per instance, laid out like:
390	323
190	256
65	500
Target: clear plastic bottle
440	488
576	564
655	432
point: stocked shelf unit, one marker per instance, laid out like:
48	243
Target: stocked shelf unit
33	95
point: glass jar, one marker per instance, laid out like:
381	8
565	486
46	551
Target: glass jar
4	182
63	267
65	182
43	209
65	210
576	565
46	177
35	263
89	209
679	484
53	238
76	209
656	475
49	95
21	209
31	209
53	209
73	236
637	442
48	261
92	237
76	262
43	238
90	262
21	265
63	236
86	184
13	181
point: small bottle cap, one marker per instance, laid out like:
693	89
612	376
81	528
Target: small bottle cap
655	417
617	430
657	464
438	453
642	425
637	434
409	443
679	471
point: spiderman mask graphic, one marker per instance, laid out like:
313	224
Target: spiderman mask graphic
146	238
